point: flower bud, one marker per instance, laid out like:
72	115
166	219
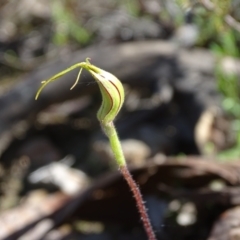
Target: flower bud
112	94
111	89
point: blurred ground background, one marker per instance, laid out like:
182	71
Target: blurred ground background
179	126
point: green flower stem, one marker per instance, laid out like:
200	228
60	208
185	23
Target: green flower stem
110	131
116	147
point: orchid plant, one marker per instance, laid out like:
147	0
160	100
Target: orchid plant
112	93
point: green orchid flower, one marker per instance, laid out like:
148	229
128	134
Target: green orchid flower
112	100
111	89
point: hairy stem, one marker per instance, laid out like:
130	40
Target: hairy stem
140	204
116	147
